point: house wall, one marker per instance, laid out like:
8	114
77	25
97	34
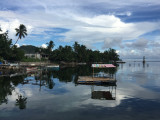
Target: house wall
38	56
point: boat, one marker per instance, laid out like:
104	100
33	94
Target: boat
53	67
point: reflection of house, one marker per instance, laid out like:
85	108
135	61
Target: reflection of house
102	95
101	79
110	94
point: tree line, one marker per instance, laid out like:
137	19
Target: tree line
75	53
80	53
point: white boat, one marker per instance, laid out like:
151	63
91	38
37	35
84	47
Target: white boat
14	64
53	66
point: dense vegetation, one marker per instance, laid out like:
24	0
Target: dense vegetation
7	51
76	53
79	53
30	49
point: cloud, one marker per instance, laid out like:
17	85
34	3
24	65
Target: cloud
128	13
154	44
109	43
108	29
138	44
10	26
17	45
44	46
88	22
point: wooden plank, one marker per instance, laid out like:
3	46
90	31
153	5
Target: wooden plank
89	79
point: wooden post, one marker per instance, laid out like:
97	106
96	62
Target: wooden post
115	92
93	72
92	88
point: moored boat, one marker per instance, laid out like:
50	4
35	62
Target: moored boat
53	67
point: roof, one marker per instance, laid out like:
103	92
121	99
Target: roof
103	65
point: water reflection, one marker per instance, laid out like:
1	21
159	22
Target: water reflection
56	94
109	94
139	64
44	78
21	102
8	85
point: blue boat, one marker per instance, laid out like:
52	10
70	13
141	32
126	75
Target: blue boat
53	67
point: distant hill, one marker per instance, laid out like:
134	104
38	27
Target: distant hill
29	49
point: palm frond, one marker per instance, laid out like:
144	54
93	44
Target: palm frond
17	33
25	33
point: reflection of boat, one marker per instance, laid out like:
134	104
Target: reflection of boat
16	74
31	69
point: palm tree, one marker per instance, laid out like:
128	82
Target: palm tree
21	32
50	46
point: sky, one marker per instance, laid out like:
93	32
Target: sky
132	27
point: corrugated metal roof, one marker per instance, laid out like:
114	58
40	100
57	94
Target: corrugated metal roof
103	65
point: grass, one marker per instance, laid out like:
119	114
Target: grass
32	60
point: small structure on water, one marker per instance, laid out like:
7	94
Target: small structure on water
96	78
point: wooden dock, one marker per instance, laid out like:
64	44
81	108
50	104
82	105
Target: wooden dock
93	80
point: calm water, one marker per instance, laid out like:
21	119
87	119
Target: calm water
55	95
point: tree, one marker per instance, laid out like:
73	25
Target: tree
17	54
113	56
6	51
63	54
50	46
21	32
79	53
5	46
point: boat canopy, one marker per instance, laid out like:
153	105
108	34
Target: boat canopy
103	65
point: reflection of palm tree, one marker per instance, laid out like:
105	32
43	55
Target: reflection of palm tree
50	84
21	102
